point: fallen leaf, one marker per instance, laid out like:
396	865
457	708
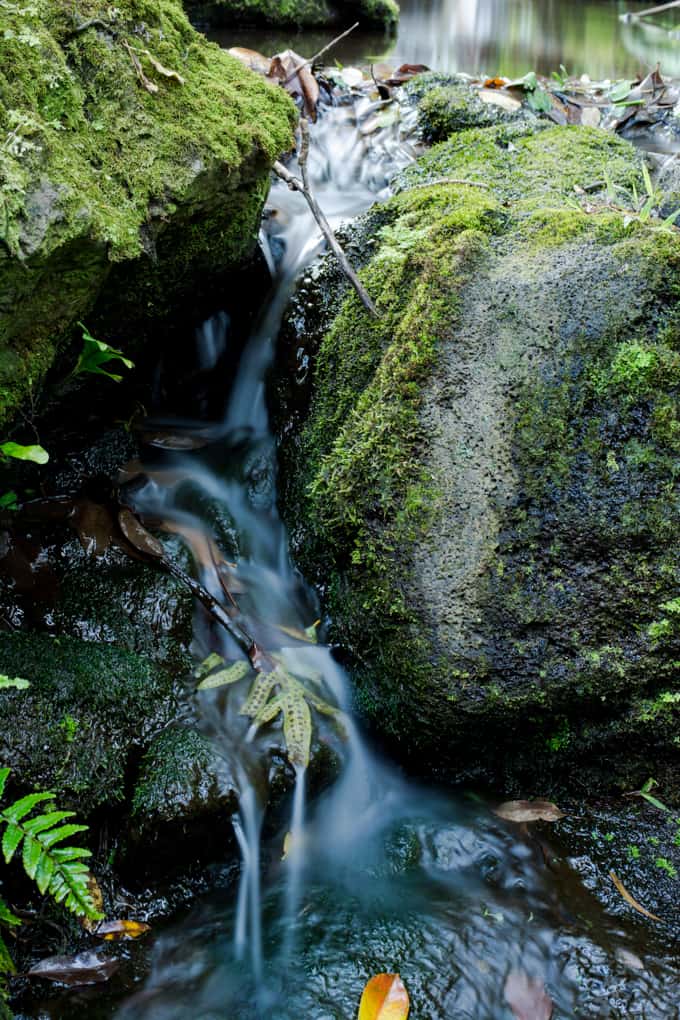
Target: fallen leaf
251	58
529	811
502	99
527	997
94	524
384	998
495	83
117	931
352	76
86	968
591	116
631	899
165	71
629	959
405	73
97	902
138	537
291	71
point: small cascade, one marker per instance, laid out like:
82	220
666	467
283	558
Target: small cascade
294	856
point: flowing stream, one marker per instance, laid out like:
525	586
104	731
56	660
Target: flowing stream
379	873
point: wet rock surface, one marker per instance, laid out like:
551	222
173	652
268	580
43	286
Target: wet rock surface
464	481
152	187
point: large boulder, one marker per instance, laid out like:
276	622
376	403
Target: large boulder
134	162
484	483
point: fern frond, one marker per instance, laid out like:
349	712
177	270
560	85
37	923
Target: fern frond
3	779
7	918
6	964
57	870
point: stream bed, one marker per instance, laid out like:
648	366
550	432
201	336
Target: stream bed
380	873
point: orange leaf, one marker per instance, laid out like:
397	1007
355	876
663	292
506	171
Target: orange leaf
385	998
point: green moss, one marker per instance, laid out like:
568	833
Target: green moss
586	546
447	105
298	13
95	169
88	709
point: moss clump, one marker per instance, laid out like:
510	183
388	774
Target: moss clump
298	13
89	708
487	474
96	170
449	104
181	777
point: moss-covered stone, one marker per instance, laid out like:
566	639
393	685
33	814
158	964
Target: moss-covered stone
486	481
99	168
294	13
449	103
89	710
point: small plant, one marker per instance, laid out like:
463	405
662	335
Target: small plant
537	98
95	354
56	867
36	454
665	865
633	851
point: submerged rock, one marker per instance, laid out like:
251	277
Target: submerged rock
298	13
484	483
135	161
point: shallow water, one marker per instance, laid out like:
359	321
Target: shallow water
508	37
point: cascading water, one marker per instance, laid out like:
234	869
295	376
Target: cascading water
379	874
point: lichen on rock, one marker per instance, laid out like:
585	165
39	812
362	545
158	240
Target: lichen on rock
484	481
98	170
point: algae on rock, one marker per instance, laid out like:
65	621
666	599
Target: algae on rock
97	172
486	479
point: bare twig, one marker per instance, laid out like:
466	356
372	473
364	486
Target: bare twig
635	15
295	184
106	26
313	60
150	86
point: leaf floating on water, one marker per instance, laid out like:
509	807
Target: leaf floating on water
118	931
138	537
631	899
94	524
223	677
527	997
384	998
86	968
529	811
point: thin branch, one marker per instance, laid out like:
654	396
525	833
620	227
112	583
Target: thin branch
93	23
313	60
635	15
295	184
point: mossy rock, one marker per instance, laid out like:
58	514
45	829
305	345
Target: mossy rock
449	103
295	13
89	712
160	179
485	482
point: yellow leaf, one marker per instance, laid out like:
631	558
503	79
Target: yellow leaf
114	931
385	998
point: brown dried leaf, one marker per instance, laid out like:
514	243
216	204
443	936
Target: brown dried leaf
406	72
290	70
94	524
527	997
86	968
138	537
165	71
529	811
631	899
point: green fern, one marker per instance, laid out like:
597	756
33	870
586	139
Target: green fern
291	698
57	870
